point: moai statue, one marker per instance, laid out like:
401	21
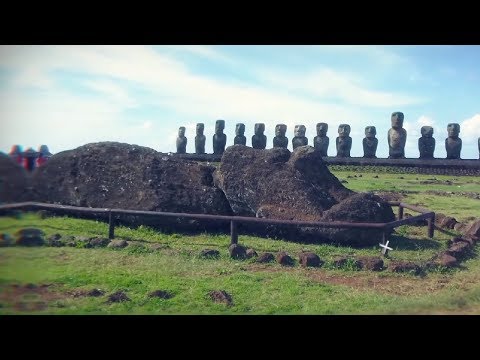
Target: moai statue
200	139
29	158
426	143
280	140
259	140
397	137
43	155
239	135
453	144
344	141
16	154
299	139
219	139
370	143
181	141
321	141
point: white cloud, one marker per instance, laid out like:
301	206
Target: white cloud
470	128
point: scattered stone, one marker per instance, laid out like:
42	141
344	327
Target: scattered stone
460	227
97	242
445	260
375	177
96	292
54	237
265	258
118	296
156	247
117	244
221	296
71	244
162	294
237	251
210	253
459	250
6	240
309	259
29	237
342	261
473	230
284	259
404	266
83	241
371	263
251	253
458	239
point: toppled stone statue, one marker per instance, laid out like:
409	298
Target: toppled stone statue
321	141
453	144
181	141
370	143
280	140
43	155
200	139
397	137
299	138
259	140
344	141
240	135
426	143
219	139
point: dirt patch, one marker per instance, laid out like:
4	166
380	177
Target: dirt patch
29	297
221	296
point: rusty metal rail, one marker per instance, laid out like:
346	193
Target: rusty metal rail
234	220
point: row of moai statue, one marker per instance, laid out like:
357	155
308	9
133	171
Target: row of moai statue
397	137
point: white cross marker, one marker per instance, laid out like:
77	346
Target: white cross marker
385	247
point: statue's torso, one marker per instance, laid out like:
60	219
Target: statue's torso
321	143
299	141
344	145
280	141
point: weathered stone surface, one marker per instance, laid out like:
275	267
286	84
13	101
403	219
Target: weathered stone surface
309	259
237	251
117	244
14	181
404	266
371	263
265	258
473	230
284	259
29	237
99	242
117	175
221	296
445	260
459	250
162	294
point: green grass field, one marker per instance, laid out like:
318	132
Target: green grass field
46	280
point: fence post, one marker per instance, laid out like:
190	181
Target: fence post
111	226
233	232
431	227
400	212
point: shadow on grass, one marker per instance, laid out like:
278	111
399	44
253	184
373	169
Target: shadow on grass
405	243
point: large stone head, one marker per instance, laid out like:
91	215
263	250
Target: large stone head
16	150
300	130
343	130
427	131
370	131
259	129
280	130
181	131
453	130
219	126
240	129
43	150
397	120
322	129
200	128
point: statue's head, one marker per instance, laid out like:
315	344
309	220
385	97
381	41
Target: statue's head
240	129
322	129
397	120
300	130
181	131
43	150
259	129
427	131
219	126
453	129
343	130
280	130
200	128
370	131
16	150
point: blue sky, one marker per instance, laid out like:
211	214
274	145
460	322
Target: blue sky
67	96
